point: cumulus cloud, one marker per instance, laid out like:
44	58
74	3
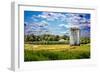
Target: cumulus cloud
70	18
45	21
67	26
36	27
52	16
64	25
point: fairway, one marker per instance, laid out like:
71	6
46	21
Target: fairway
55	52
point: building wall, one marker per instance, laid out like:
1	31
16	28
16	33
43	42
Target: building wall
74	36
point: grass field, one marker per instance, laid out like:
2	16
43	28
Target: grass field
55	52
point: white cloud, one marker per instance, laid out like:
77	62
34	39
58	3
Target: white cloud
36	27
44	23
64	25
70	18
38	24
51	16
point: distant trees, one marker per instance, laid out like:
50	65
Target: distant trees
46	38
84	40
50	39
65	37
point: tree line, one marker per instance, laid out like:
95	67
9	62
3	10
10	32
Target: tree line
51	39
45	37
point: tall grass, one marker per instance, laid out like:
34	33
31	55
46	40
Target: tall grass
81	52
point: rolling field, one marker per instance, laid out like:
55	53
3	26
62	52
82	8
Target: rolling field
55	52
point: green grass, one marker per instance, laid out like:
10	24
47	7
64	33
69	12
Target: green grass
55	52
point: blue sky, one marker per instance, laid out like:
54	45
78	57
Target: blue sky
57	23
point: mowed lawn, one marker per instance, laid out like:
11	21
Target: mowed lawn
55	52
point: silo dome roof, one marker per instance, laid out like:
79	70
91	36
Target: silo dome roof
74	26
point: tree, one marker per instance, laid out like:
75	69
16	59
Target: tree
65	37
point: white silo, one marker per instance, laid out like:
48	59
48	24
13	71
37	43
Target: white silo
74	35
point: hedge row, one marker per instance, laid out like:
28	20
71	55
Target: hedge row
47	42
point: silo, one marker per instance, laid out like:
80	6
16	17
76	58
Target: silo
74	35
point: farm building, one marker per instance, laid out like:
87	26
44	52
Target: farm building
74	35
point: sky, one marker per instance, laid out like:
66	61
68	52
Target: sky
56	23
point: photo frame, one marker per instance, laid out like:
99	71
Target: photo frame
20	17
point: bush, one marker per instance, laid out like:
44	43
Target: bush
85	40
47	42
